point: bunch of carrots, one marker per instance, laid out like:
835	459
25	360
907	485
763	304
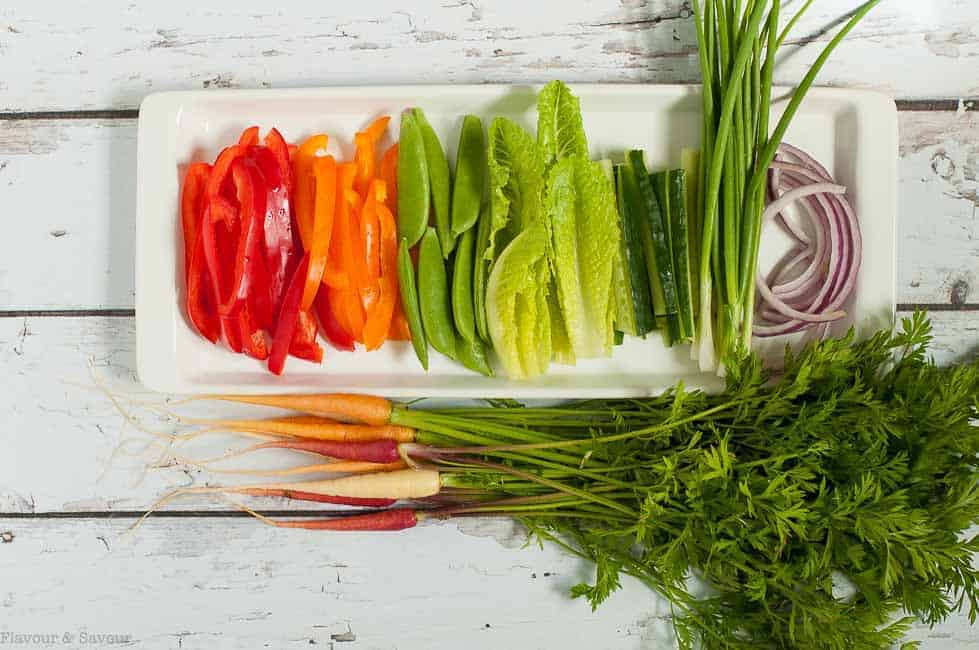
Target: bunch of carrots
278	236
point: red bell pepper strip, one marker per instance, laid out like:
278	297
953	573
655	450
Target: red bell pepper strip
303	344
325	173
220	269
334	332
250	190
389	174
304	193
277	145
201	305
380	313
288	318
252	335
277	240
192	199
220	189
248	139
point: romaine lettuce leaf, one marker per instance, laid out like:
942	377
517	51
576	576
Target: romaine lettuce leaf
516	184
516	304
560	133
580	203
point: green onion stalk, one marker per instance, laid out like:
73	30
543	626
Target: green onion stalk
738	43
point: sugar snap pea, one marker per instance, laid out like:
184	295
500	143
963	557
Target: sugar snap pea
409	302
470	176
481	273
472	354
414	192
433	295
462	287
438	180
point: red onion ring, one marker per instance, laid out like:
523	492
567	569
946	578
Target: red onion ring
808	287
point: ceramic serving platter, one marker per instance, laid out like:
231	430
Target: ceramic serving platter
853	133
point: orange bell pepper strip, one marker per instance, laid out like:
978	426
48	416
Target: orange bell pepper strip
304	191
380	313
370	234
366	157
377	128
389	174
399	330
354	259
324	204
336	273
353	317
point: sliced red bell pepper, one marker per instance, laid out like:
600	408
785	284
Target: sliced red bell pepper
277	145
304	192
278	239
217	241
288	318
202	308
333	331
192	199
303	344
220	189
389	174
250	190
248	139
325	173
252	335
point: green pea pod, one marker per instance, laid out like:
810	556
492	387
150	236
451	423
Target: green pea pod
433	295
472	354
470	176
409	301
462	288
414	192
438	179
481	272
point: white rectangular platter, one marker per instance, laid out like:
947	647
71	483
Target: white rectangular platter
853	133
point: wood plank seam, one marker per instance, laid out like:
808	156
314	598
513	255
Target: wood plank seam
904	105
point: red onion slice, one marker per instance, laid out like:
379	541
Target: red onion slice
809	286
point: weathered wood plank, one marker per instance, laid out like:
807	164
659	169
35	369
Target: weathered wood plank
60	433
111	54
91	215
205	583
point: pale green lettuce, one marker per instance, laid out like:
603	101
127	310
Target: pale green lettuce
560	133
580	203
516	300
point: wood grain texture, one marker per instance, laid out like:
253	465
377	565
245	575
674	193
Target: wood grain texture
111	54
91	217
233	583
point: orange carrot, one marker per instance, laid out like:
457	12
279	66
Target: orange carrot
346	407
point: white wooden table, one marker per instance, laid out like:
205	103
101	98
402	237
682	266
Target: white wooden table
71	78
